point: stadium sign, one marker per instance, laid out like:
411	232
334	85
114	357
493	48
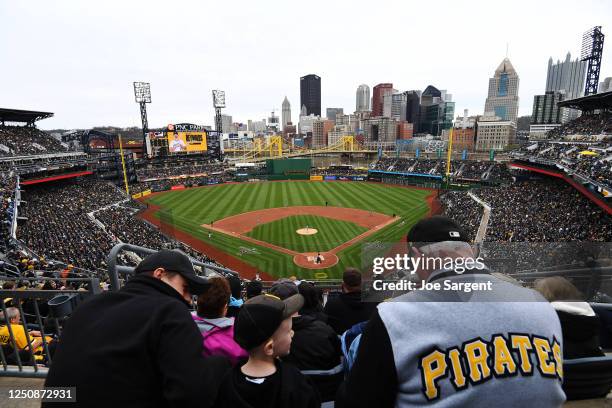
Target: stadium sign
185	127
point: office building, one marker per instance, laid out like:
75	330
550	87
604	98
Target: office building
413	107
337	132
362	102
331	113
286	113
605	85
567	77
378	95
320	130
436	111
405	130
380	129
546	109
310	94
503	100
226	123
494	134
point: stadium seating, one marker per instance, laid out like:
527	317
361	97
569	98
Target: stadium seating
22	140
459	169
596	124
592	160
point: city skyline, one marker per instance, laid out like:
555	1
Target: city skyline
84	73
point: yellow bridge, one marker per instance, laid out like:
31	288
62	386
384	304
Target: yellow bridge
276	147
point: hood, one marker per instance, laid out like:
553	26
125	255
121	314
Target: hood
352	300
575	308
205	324
302	321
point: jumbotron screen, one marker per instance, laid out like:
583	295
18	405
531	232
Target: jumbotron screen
179	142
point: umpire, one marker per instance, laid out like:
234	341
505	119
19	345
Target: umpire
139	347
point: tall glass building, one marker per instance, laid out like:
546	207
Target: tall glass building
310	94
502	100
362	102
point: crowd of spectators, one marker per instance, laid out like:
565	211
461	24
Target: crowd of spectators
58	226
596	124
8	184
339	171
474	169
463	209
122	223
532	211
26	140
593	160
167	184
460	169
170	169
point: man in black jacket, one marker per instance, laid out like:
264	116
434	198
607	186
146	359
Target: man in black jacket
346	310
139	346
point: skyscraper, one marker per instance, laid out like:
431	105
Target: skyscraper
378	94
363	98
503	98
331	113
310	94
413	107
286	113
567	77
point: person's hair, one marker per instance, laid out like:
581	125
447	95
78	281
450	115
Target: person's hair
311	298
253	288
352	279
235	286
11	313
557	288
8	285
212	302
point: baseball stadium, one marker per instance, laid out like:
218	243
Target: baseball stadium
278	229
151	267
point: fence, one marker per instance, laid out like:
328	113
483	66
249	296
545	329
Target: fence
32	320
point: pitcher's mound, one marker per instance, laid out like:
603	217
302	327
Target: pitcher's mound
307	231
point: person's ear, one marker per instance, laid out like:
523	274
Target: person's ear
158	273
268	348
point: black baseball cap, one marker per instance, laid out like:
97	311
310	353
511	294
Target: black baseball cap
436	229
260	316
284	289
174	261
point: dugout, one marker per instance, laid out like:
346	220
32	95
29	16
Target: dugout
288	169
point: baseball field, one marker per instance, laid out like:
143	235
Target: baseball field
309	229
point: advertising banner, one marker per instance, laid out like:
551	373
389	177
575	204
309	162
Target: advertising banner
330	178
316	178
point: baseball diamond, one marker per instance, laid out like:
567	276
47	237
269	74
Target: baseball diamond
225	219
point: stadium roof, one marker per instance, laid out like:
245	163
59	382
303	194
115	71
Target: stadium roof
588	103
17	115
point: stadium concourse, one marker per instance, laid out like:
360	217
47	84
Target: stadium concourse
58	225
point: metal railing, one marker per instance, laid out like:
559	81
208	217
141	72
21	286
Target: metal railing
41	314
114	269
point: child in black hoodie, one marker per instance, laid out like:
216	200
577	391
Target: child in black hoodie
263	328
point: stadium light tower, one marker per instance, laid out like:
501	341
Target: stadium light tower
218	103
142	93
592	48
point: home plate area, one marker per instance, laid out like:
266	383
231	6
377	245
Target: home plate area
242	224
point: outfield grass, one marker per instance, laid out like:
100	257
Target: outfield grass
331	233
188	209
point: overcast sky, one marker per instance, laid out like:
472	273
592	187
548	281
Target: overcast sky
78	59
